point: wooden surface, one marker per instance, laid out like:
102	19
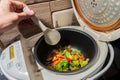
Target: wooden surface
60	5
8	36
30	2
43	12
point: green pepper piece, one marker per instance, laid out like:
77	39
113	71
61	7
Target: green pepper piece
49	59
72	64
73	52
83	63
58	67
64	63
68	55
79	52
74	59
76	63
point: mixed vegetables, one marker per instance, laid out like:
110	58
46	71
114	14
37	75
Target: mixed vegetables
66	58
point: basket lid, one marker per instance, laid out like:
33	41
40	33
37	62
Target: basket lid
100	15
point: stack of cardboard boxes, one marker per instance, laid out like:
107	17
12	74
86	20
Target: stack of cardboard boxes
44	10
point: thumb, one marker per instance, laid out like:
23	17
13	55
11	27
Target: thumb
25	14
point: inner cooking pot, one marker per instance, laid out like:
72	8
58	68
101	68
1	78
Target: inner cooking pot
77	39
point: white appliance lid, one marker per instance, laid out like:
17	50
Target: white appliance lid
101	35
12	62
101	15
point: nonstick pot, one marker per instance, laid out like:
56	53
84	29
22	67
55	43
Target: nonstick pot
69	36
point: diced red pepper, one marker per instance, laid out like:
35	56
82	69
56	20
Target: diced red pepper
56	62
69	59
82	57
54	54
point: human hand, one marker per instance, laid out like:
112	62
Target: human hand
11	13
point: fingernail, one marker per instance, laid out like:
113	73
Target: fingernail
28	11
31	12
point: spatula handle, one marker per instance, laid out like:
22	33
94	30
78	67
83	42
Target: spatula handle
36	20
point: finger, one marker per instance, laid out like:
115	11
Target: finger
18	4
25	15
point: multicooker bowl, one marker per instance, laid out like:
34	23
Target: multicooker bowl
77	39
